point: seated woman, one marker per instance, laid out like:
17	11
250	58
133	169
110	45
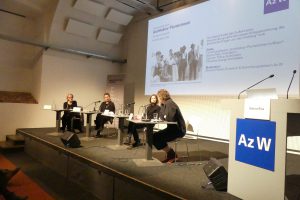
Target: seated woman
107	105
169	112
132	128
67	117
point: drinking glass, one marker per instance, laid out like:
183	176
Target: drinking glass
126	112
155	116
120	112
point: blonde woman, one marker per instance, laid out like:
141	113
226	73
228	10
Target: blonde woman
169	112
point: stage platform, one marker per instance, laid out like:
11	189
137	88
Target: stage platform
113	174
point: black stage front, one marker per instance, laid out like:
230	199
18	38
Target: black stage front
116	170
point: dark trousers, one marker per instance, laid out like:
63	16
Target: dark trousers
77	121
162	137
181	72
193	71
66	120
3	182
101	120
132	128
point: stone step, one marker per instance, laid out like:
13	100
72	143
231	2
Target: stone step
15	139
10	147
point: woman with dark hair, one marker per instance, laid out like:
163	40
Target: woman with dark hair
106	105
132	127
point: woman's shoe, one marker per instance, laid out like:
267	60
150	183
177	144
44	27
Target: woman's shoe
128	140
136	144
171	157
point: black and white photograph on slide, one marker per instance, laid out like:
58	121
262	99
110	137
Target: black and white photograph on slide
180	64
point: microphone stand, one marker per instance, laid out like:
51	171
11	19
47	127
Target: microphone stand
91	104
128	108
145	109
95	104
88	105
254	85
287	93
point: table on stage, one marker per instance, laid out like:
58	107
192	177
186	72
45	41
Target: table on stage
58	119
119	145
88	125
148	160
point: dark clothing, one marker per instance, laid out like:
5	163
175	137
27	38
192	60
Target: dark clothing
132	127
100	119
67	117
107	106
193	62
8	195
182	66
3	182
152	108
69	107
157	70
169	112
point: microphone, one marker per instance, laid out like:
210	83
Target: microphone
96	104
91	104
130	103
271	76
287	93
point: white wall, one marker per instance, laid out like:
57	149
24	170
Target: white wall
37	78
60	73
85	78
15	79
16	66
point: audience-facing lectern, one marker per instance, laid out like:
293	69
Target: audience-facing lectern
255	181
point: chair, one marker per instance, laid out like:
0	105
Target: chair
176	142
140	131
187	139
143	131
111	125
77	121
156	128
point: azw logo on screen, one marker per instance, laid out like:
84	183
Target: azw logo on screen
275	5
255	143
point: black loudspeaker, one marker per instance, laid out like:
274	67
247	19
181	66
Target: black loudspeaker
70	140
217	174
